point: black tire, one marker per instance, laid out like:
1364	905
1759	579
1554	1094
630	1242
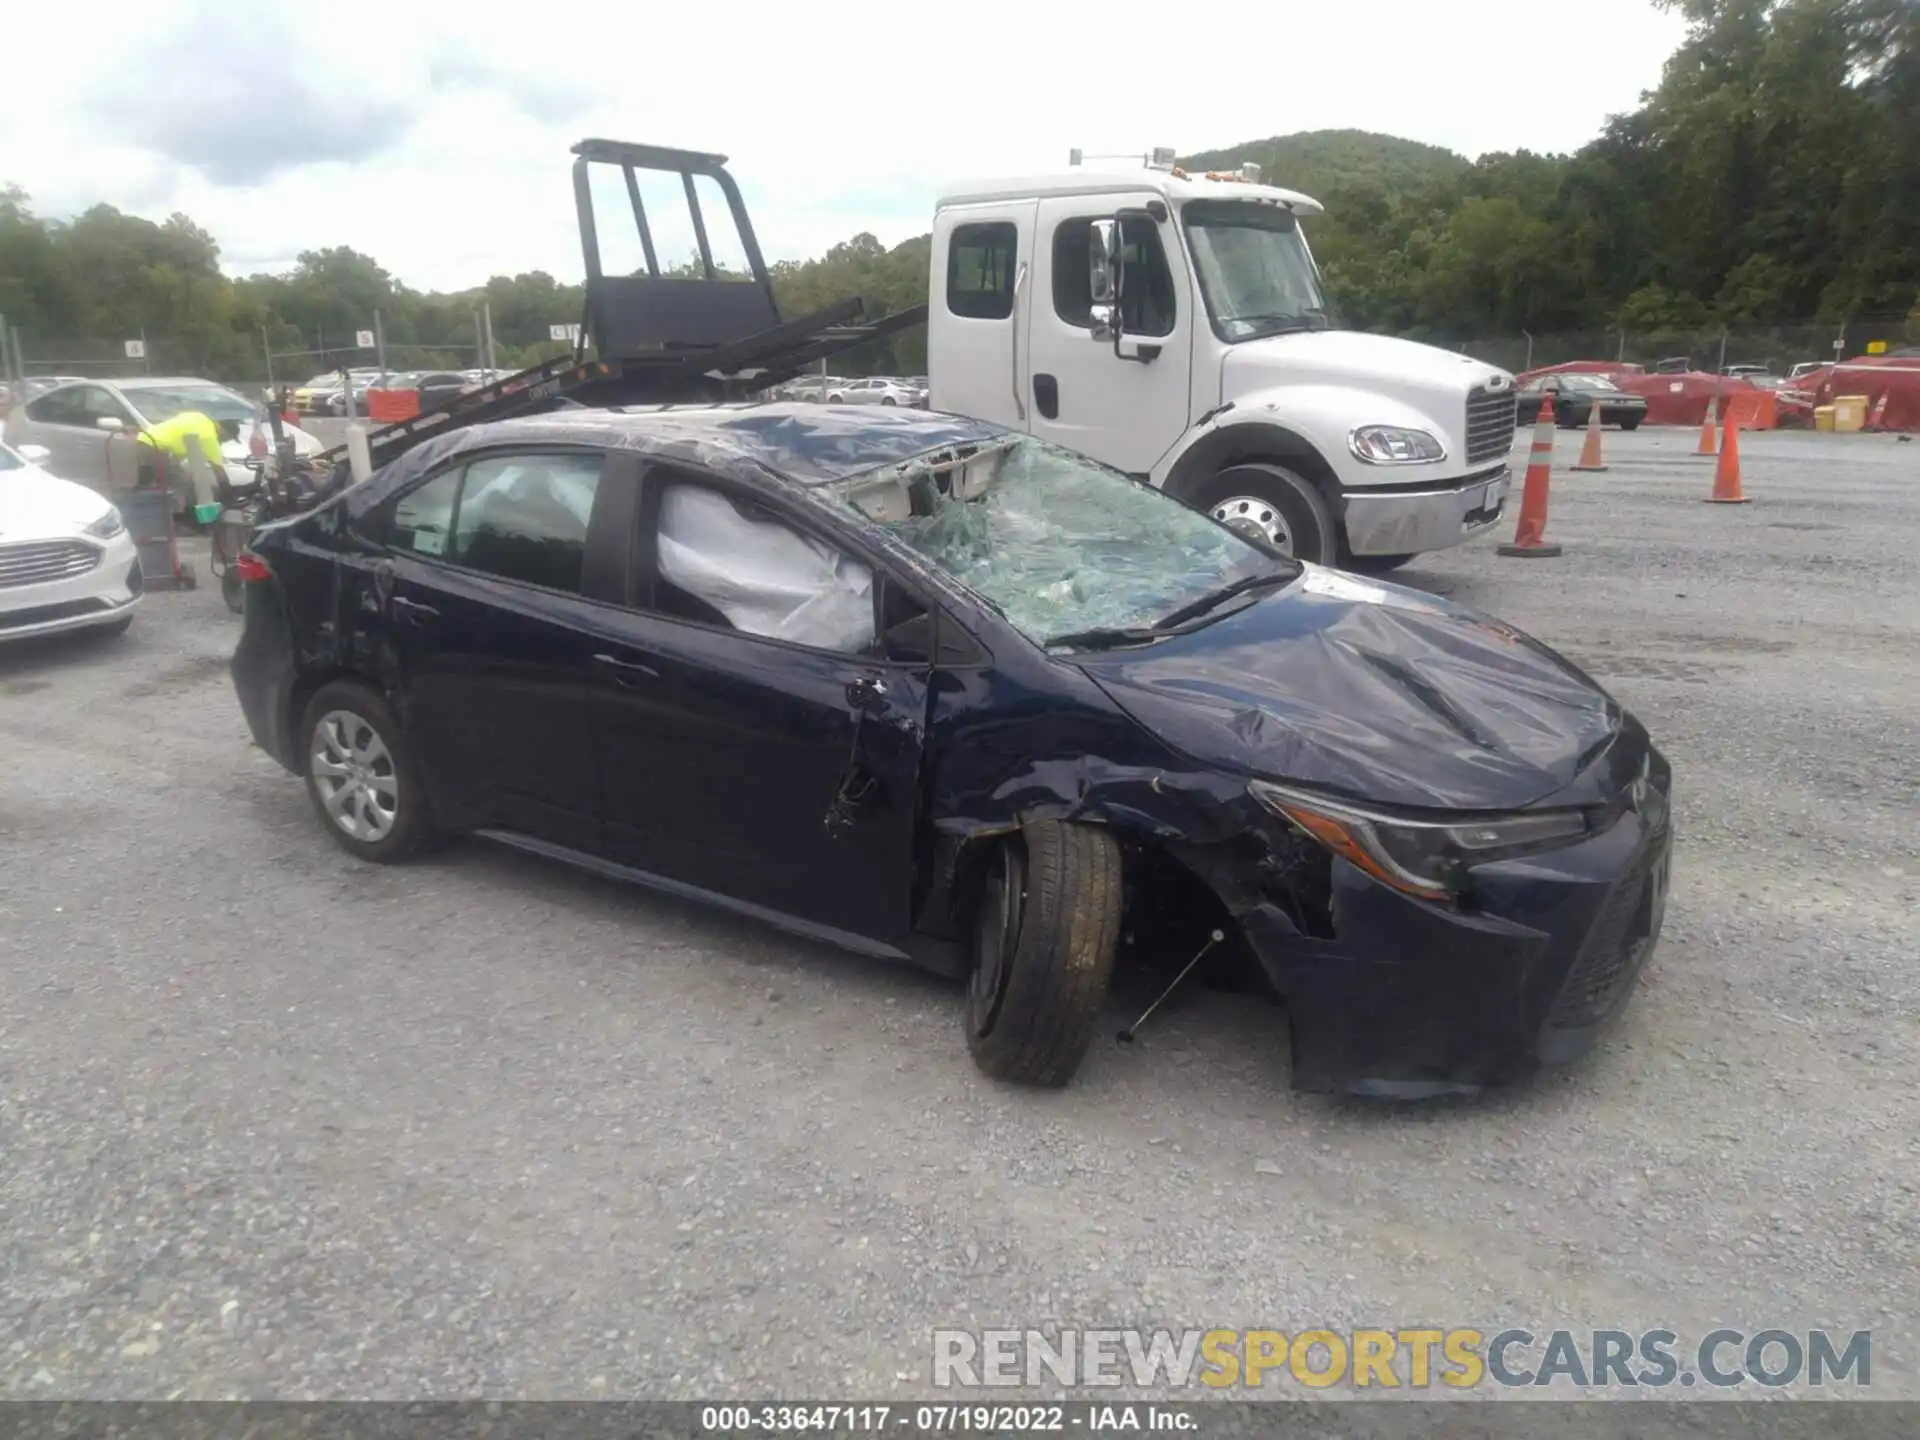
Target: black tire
1632	422
1045	931
888	400
1311	531
1565	417
411	828
1376	564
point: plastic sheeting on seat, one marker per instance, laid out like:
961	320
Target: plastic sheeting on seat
766	578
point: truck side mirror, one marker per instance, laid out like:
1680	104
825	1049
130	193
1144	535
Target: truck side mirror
1104	264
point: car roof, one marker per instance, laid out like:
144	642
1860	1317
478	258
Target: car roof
810	444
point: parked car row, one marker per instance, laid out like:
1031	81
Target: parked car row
326	395
910	391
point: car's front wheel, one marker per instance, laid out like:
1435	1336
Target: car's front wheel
1632	422
1045	931
361	781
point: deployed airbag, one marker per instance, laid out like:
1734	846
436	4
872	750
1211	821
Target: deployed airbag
765	577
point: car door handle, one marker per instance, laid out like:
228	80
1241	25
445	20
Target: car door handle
626	672
414	611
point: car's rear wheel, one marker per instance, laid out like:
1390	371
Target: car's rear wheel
1274	505
1045	931
361	781
1632	422
888	400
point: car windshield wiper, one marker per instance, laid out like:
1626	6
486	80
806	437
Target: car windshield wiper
1194	609
1106	638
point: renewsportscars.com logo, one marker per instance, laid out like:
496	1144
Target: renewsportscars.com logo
1415	1358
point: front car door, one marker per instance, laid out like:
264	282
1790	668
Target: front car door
1128	409
757	738
482	594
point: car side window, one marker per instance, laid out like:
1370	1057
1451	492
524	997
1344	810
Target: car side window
525	518
1147	296
422	519
60	407
980	261
735	564
98	402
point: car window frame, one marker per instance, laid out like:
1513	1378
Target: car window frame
71	394
604	563
961	237
644	570
1144	223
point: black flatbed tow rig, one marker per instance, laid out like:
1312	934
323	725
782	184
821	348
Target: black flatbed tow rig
657	338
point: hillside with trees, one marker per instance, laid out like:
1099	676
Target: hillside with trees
1772	176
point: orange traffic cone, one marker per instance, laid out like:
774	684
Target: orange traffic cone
1531	527
1706	446
1590	448
1726	474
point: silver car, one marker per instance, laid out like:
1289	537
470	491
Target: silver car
76	422
874	390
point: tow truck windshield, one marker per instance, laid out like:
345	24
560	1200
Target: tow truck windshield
1256	273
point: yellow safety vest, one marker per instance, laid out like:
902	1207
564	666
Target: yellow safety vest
170	436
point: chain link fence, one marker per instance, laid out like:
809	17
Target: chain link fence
1710	348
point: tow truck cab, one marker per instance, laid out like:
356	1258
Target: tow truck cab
1174	326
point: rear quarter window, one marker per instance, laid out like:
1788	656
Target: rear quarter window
980	261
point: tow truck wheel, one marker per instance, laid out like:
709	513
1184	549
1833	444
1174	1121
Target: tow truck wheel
1273	505
1045	930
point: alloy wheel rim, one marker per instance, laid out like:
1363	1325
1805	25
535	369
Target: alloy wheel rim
354	773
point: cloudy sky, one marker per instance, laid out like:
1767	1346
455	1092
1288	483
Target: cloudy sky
435	136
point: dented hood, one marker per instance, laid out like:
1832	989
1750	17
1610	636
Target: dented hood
1372	691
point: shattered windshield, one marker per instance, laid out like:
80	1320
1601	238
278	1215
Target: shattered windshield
1256	273
1060	544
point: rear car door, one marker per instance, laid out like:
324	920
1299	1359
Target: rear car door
977	313
482	595
757	737
59	421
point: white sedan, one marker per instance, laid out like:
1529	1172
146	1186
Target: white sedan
66	560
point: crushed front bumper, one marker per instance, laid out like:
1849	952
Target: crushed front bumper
1413	1000
1412	521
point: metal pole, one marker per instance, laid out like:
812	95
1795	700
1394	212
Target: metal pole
6	352
1529	335
1621	359
1723	351
479	342
266	344
486	312
146	360
19	354
380	345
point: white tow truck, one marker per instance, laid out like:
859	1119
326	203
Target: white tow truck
1174	326
1171	325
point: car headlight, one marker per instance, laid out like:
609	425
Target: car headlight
107	526
1393	445
1423	858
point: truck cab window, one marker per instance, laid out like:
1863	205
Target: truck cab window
980	261
1147	297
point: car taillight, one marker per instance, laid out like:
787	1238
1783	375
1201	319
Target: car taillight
251	568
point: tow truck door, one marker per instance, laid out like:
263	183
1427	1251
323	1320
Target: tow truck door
1130	408
980	293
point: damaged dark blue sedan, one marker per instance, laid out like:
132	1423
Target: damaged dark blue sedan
941	692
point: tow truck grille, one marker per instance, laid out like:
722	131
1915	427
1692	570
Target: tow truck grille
1490	417
35	562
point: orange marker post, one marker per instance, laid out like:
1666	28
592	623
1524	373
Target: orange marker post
1530	529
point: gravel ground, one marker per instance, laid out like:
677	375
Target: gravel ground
279	1124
